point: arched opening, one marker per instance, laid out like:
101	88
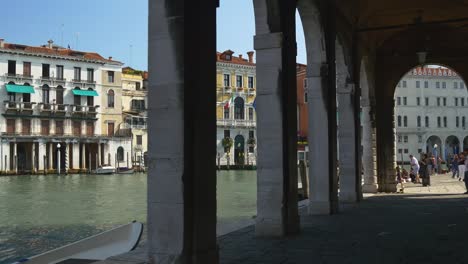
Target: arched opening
45	94
26	96
428	101
239	150
452	147
239	108
77	99
90	99
59	98
120	154
110	99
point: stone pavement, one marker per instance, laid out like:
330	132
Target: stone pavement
421	225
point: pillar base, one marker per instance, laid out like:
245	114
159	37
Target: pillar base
210	256
319	207
348	197
388	187
370	188
268	228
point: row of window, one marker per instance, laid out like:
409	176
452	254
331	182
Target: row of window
440	101
239	81
59	72
227	134
59	91
59	127
437	84
401	151
405	139
402	121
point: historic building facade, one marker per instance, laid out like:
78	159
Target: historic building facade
431	111
56	110
235	109
135	104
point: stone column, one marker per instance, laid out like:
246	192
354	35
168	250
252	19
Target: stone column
33	157
99	154
319	174
182	134
83	156
277	210
15	157
76	156
386	145
51	156
369	161
347	155
41	154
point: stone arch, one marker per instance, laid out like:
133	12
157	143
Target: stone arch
239	106
120	154
452	146
433	145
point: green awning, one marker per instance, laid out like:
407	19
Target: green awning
13	88
85	92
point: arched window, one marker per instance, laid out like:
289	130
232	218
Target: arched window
90	99
120	154
239	108
26	96
59	95
45	94
110	99
77	98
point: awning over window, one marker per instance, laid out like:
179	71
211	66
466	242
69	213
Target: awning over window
85	92
13	88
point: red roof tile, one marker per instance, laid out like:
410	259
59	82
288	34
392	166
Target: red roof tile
58	52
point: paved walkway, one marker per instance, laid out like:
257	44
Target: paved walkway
421	225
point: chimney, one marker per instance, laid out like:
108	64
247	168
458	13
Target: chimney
250	53
50	43
2	43
110	57
240	56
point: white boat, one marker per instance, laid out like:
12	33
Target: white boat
95	248
105	169
125	171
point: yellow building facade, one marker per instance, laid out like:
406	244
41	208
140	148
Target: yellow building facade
135	104
235	108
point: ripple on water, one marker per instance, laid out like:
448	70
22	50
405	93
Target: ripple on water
40	213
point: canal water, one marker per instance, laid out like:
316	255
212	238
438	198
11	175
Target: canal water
39	213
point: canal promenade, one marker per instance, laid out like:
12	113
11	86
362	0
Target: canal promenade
421	225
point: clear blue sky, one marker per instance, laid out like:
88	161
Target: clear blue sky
116	28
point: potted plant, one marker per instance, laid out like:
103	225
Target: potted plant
251	142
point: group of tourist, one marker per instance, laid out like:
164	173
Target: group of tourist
421	170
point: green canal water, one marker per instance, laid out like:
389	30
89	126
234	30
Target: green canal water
39	213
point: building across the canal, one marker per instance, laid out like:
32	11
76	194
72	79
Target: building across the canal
235	109
135	104
431	110
59	100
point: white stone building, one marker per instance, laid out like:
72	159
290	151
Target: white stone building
51	100
431	109
236	117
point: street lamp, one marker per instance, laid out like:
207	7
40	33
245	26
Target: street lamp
58	158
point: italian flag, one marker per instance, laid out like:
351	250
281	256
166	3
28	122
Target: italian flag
229	102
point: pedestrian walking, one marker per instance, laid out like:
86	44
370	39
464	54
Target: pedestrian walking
454	167
414	168
465	175
461	166
424	170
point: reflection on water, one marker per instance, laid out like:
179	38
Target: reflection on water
38	213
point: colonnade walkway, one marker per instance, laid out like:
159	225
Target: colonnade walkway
421	225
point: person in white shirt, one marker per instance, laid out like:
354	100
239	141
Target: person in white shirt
415	167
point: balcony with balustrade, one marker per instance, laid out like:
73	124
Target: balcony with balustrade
18	78
236	123
18	108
